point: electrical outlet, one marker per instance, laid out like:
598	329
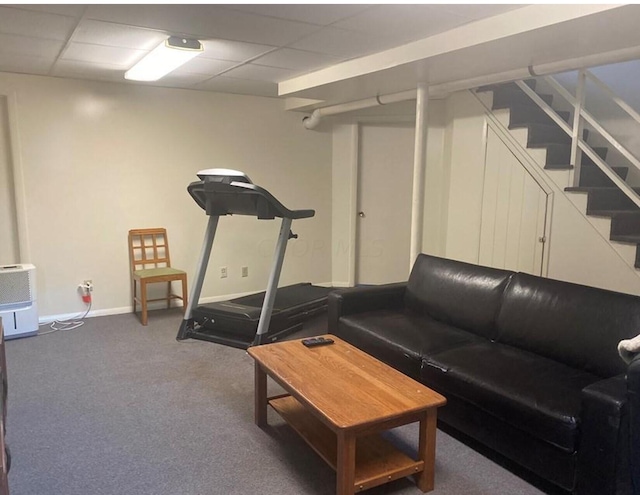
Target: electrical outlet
88	285
223	272
245	271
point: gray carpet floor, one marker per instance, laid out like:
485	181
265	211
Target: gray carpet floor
116	408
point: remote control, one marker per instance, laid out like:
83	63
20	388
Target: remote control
316	341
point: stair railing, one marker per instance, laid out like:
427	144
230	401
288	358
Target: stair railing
578	145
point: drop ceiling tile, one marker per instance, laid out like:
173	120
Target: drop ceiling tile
239	86
207	66
313	14
260	73
204	21
298	60
403	22
198	21
34	47
149	16
36	24
478	11
120	57
236	51
25	64
252	28
68	10
111	34
88	70
342	43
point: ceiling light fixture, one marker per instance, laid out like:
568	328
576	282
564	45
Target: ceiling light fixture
166	57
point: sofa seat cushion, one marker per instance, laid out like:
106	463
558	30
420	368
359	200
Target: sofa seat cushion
400	338
532	393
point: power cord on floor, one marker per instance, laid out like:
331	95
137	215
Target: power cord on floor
68	324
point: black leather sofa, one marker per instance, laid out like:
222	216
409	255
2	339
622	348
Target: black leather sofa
529	365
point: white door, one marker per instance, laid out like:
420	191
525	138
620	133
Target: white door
9	253
385	175
514	212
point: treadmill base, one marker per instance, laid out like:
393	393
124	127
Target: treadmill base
235	322
238	341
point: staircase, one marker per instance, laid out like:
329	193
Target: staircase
604	198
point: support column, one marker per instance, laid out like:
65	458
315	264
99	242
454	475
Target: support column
419	169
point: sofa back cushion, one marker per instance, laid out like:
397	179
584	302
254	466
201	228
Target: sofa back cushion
570	323
460	294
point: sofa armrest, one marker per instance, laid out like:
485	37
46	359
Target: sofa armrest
603	457
361	299
633	394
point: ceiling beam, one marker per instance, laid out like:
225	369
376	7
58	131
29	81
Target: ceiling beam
410	58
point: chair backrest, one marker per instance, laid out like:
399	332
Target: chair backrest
148	248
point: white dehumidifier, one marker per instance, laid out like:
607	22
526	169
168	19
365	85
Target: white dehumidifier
18	307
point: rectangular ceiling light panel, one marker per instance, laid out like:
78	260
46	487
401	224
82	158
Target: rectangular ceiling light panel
166	57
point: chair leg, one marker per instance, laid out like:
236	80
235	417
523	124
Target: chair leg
134	296
143	297
168	294
185	296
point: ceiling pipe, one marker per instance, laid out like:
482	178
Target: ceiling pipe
606	58
310	122
443	89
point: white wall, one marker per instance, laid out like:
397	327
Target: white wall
465	151
102	158
577	251
9	251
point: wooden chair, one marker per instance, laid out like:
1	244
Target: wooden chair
150	264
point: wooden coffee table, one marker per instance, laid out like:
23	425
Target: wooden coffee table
339	398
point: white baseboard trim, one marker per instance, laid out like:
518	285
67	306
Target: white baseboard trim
341	285
158	305
75	316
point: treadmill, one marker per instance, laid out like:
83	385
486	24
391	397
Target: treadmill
258	318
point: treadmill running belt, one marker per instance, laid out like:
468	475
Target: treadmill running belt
236	321
287	297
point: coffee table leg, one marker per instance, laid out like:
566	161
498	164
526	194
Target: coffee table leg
427	450
260	396
346	463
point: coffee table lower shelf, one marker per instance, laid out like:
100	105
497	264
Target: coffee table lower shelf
377	460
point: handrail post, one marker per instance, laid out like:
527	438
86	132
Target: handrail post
576	153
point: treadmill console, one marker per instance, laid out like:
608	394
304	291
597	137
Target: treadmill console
223	175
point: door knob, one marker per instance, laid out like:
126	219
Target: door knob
361	214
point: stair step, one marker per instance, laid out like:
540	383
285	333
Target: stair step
560	154
592	176
523	115
543	135
560	166
626	224
607	198
606	213
585	189
505	97
634	239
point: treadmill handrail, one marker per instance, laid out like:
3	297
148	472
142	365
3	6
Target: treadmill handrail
261	203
